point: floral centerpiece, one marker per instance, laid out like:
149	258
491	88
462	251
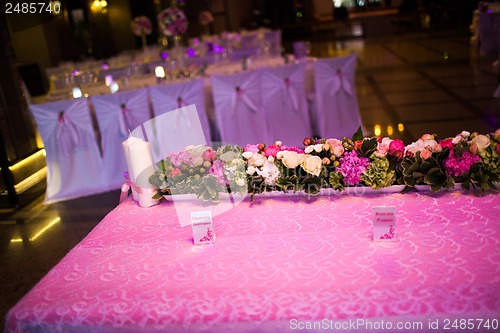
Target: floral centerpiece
202	171
205	18
172	22
470	159
141	27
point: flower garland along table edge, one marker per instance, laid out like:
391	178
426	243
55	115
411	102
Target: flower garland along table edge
358	165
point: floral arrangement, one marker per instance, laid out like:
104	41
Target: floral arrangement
201	170
470	159
141	26
172	21
205	18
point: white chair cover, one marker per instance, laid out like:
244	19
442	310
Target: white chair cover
489	30
237	107
73	160
336	105
117	115
285	104
166	98
172	131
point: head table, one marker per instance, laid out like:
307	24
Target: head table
280	264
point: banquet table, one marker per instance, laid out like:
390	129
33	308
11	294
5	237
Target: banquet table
279	264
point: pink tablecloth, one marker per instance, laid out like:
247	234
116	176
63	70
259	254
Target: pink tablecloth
278	265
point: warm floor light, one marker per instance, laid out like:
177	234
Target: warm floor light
401	127
39	232
377	130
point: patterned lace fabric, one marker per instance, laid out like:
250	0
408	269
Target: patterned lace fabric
275	262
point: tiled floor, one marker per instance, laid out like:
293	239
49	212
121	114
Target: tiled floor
428	81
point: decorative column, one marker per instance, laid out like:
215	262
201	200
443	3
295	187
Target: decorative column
17	130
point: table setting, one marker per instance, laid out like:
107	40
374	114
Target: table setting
269	238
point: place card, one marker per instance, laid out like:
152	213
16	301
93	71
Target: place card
203	229
384	223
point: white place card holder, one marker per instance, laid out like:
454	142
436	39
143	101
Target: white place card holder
203	229
384	223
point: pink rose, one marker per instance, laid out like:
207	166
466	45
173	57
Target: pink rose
425	154
382	150
447	143
272	150
427	137
251	148
336	147
397	148
498	149
209	155
473	149
175	172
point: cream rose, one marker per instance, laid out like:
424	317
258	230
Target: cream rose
482	142
257	160
291	159
312	165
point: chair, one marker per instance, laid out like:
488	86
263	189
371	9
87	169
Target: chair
285	104
168	97
172	131
117	115
336	111
72	155
237	107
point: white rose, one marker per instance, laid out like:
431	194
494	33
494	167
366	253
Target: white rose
465	134
312	164
251	170
457	139
292	159
318	148
482	142
309	149
248	155
240	182
270	172
270	159
278	143
197	161
430	144
257	160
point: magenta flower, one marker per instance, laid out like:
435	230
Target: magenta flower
352	167
460	165
447	143
396	148
217	169
252	148
180	157
272	150
292	148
